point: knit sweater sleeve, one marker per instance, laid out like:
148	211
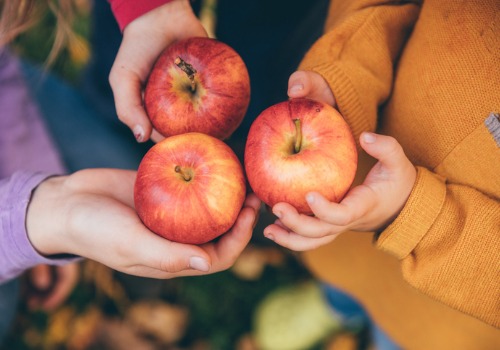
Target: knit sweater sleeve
125	11
357	55
447	237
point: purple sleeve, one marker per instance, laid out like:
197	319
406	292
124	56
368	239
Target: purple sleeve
26	152
16	252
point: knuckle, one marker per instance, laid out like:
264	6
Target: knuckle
172	265
124	251
123	114
345	219
112	82
292	225
228	262
113	78
323	215
393	146
77	180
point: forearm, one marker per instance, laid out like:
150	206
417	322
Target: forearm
357	55
17	254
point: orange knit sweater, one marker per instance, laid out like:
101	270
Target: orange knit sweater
427	74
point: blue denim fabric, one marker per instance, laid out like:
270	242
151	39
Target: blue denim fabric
9	293
356	318
84	137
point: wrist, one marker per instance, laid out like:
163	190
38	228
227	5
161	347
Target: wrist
44	220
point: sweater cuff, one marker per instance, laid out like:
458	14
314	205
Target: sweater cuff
17	252
126	11
418	215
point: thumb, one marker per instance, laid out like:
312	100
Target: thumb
127	92
384	148
175	257
311	85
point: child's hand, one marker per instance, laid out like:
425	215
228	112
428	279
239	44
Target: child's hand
143	40
370	206
49	286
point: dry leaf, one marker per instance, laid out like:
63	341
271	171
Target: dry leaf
252	261
105	282
115	334
164	322
250	264
246	342
84	329
343	341
33	338
58	329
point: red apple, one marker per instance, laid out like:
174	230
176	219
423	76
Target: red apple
189	188
198	85
299	146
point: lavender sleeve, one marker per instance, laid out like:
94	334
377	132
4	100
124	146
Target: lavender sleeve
27	157
16	252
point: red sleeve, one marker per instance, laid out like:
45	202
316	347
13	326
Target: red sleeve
126	11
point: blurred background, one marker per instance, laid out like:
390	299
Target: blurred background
268	293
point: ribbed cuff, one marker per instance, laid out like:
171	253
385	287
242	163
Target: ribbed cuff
417	217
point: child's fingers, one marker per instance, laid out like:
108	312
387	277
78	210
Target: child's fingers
293	241
299	84
356	204
304	225
67	278
41	277
311	85
126	86
384	148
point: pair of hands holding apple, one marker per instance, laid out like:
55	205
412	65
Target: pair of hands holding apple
91	213
368	207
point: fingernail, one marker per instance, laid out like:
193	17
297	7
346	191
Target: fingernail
138	133
310	198
200	264
369	137
278	214
269	236
296	88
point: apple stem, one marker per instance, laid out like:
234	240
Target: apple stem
185	175
298	135
188	69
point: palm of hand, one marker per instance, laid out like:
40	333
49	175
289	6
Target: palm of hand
91	214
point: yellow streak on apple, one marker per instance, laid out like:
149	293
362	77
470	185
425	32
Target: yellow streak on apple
182	85
212	198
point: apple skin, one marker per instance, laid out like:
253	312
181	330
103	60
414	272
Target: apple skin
326	161
192	211
221	93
